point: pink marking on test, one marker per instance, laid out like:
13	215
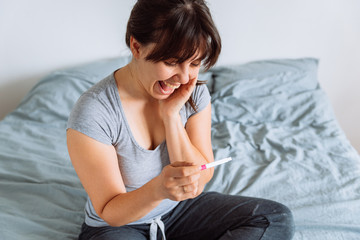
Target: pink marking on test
203	167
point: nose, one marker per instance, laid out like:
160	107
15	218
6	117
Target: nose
183	74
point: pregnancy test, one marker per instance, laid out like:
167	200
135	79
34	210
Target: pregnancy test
213	164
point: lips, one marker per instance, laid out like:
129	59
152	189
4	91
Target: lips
167	88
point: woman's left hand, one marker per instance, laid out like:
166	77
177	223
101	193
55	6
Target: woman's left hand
171	106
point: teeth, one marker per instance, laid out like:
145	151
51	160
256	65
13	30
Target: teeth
170	85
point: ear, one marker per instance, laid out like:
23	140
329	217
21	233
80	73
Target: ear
135	47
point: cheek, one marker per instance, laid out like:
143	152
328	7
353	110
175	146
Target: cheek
164	73
194	73
155	73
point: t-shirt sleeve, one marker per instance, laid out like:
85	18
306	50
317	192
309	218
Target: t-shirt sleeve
92	117
201	97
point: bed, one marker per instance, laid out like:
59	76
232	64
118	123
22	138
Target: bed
270	116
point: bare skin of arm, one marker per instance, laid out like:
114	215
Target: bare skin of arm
193	143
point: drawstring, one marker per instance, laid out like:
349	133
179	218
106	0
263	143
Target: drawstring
155	223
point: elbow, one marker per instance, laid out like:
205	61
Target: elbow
112	221
108	215
210	174
114	218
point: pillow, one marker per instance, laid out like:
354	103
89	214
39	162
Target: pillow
291	75
52	98
276	91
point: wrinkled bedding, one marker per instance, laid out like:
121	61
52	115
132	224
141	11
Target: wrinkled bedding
271	117
287	145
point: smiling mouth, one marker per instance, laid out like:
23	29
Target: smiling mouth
171	85
167	88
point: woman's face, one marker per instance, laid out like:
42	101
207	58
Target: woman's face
162	78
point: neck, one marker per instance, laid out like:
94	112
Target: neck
129	84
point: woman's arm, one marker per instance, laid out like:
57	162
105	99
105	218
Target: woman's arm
97	167
191	144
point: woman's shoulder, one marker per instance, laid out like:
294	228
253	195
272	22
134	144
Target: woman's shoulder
200	91
103	88
103	96
96	112
201	97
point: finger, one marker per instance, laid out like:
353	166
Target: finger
188	191
187	89
184	171
188	188
194	81
191	84
181	181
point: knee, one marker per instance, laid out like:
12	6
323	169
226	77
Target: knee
282	220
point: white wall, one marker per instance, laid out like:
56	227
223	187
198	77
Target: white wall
39	36
325	29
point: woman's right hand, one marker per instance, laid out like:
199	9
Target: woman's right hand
179	181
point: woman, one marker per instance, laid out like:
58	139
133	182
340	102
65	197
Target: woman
137	138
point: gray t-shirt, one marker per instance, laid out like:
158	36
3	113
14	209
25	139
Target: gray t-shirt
99	114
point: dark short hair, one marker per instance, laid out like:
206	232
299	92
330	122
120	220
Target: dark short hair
179	28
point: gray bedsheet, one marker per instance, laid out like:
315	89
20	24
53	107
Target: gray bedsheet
271	117
277	124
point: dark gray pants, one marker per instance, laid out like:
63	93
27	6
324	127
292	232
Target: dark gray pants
210	216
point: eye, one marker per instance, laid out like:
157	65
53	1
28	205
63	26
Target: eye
171	63
196	63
